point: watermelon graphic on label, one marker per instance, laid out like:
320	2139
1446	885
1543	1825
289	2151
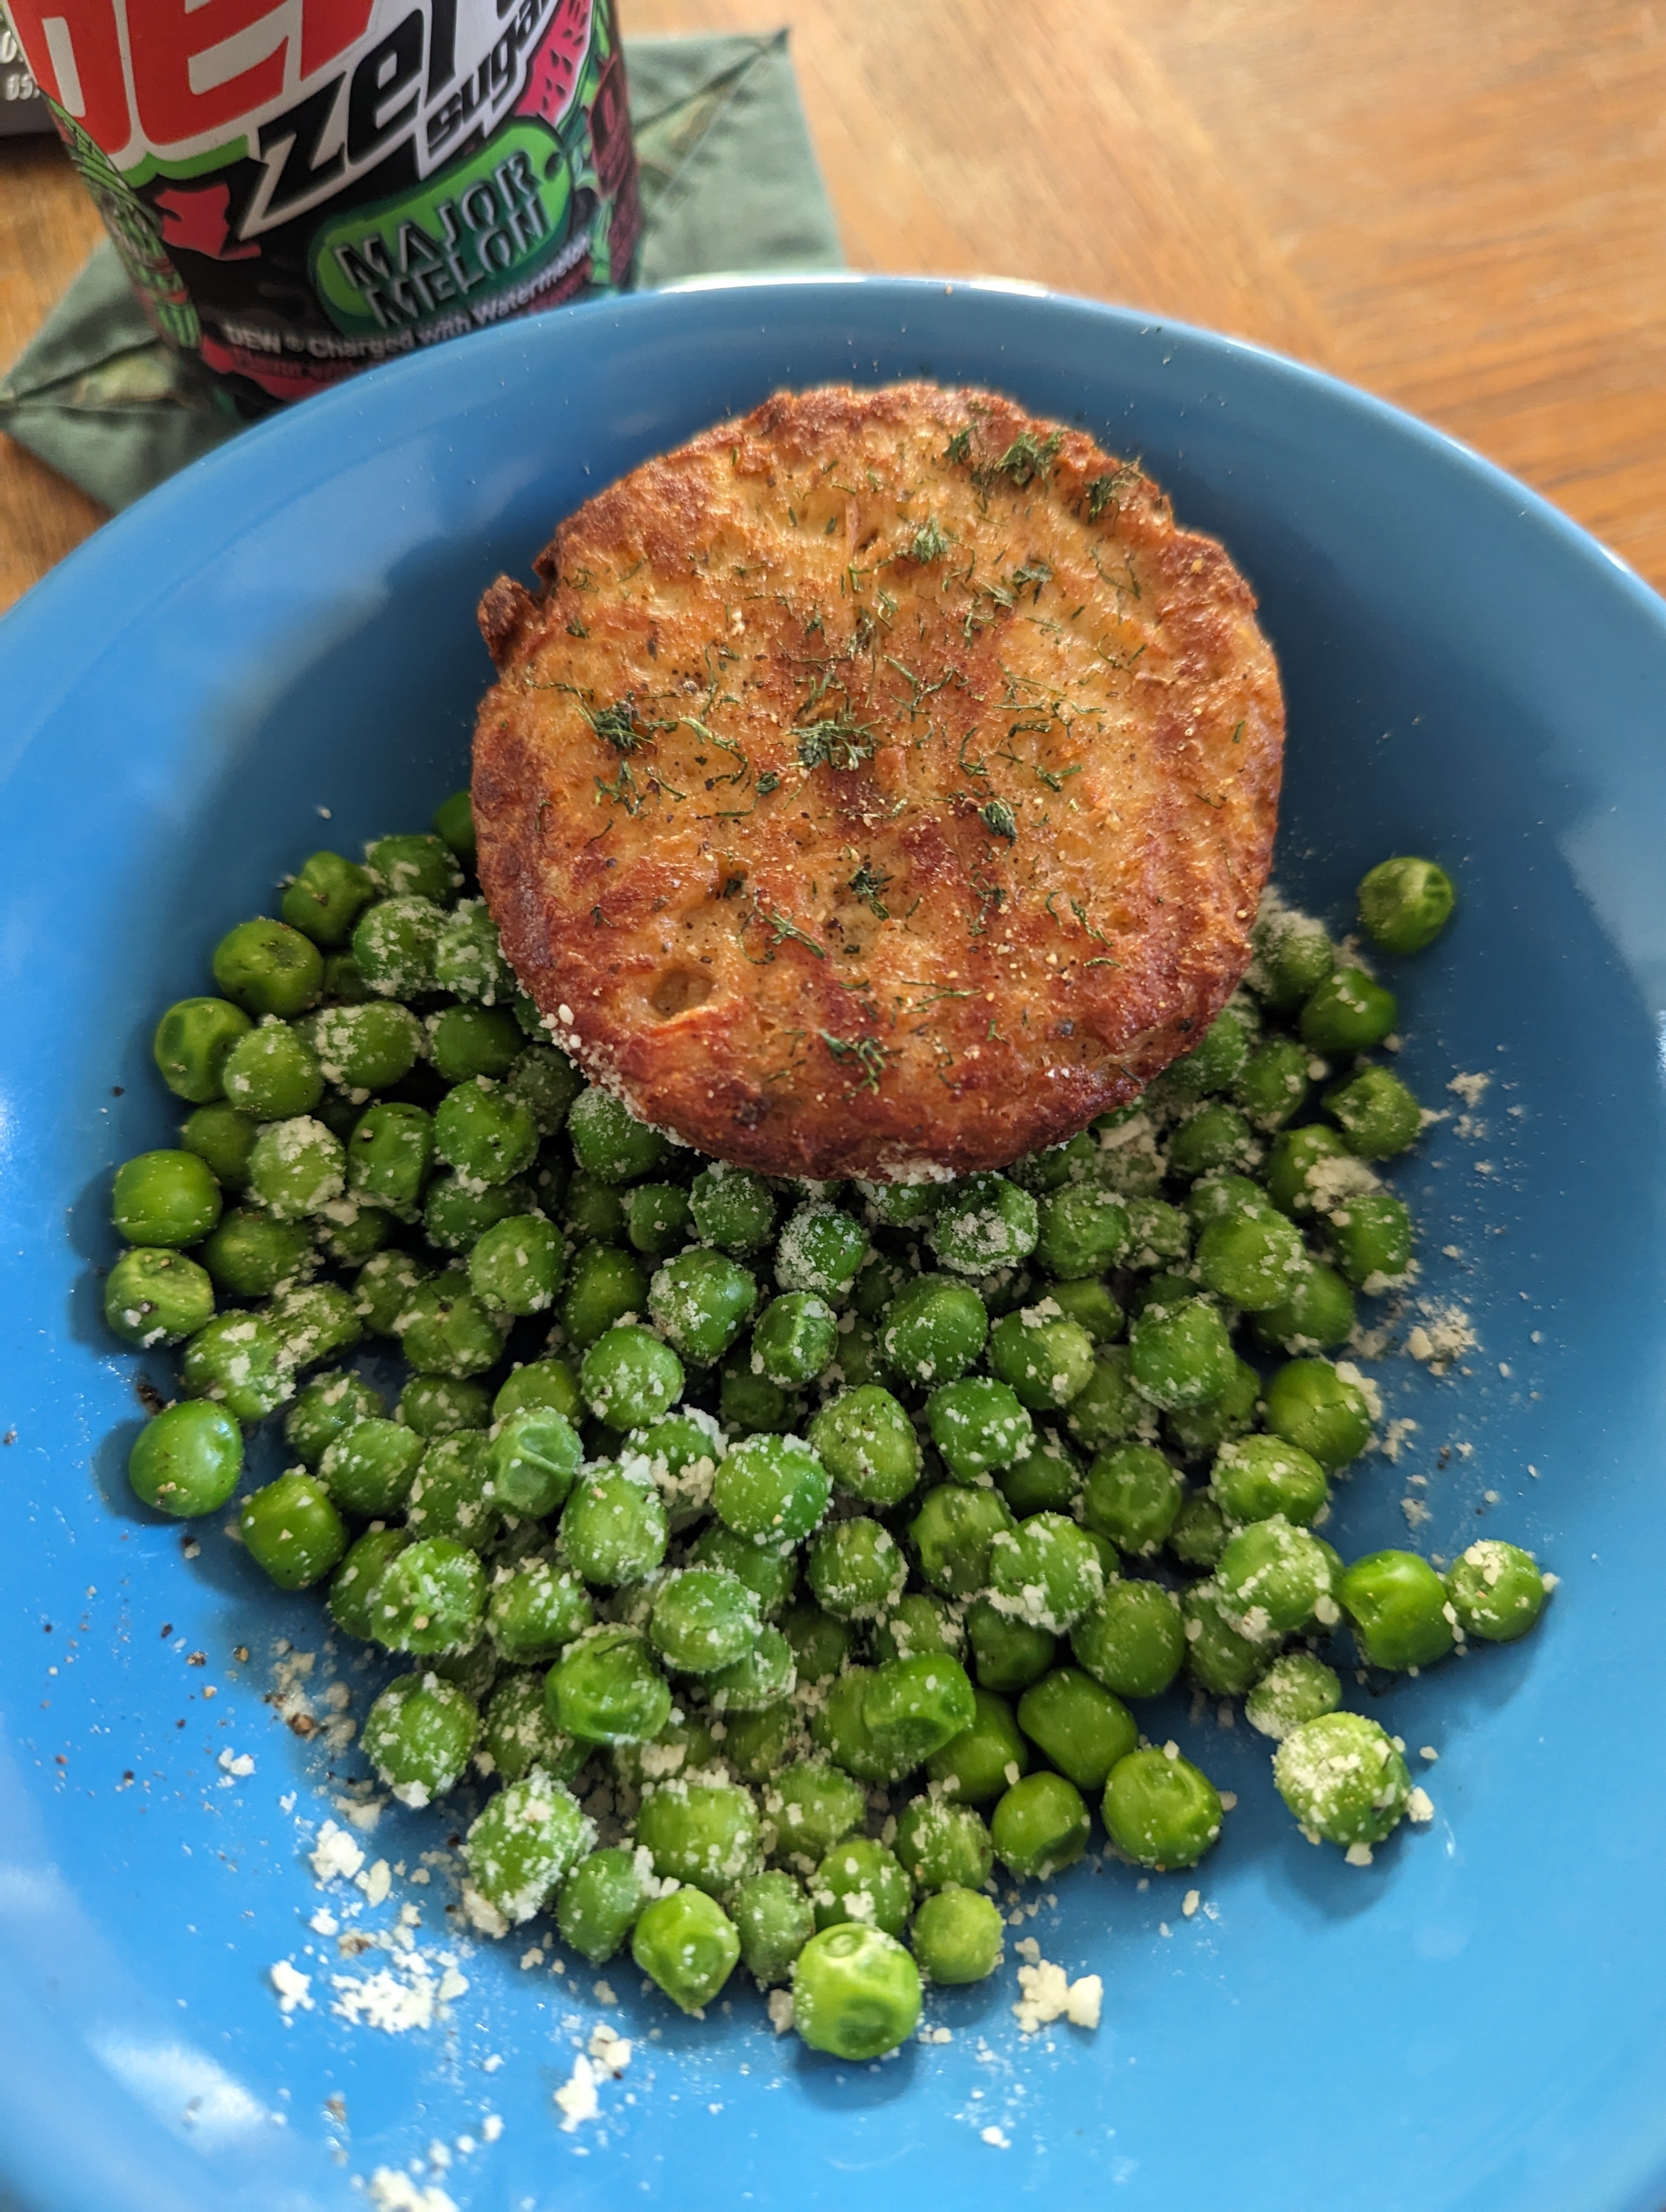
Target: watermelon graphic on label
552	74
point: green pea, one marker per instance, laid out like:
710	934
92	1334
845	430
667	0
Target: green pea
1180	1355
820	1646
606	1688
772	1489
1256	1476
856	1569
484	1131
153	1296
1293	955
1343	1779
1044	1359
862	1882
1040	1826
394	944
951	1534
1090	1305
705	1833
913	1707
517	1733
429	1598
599	1904
792	1338
866	1443
268	968
810	1806
314	1323
1212	1137
702	1301
545	1082
703	1618
1199	1534
389	1154
164	1199
940	1842
820	1250
1310	1171
449	1495
1348	1012
858	1359
731	1208
629	1377
291	1528
1045	1480
1496	1590
978	1424
656	1218
1198	1430
1372	1238
457	1215
1132	1495
187	1459
609	1142
349	1233
751	1405
986	1757
353	1585
1317	1315
1133	1641
453	824
1046	1572
934	1330
681	1454
769	1570
593	1213
775	1921
1081	1231
899	1204
1160	1810
466	1042
325	897
957	1937
1255	1260
344	982
613	1529
540	1382
1108	1407
191	1044
419	1735
249	1255
757	1745
688	1945
855	1992
1221	1657
1399	1608
414	865
237	1358
473	1671
984	1223
1405	904
468	958
1313	1404
760	1680
296	1167
1376	1114
326	1410
365	1048
524	1845
1276	1579
535	1611
1079	1727
223	1138
368	1468
516	1266
838	1726
383	1288
444	1329
1158	1235
1273	1084
1296	1688
532	1459
1007	1654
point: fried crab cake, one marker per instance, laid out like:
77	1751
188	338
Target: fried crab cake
881	785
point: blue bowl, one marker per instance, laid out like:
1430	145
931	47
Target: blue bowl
1477	2021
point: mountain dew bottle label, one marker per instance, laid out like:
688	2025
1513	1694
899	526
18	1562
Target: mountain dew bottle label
298	189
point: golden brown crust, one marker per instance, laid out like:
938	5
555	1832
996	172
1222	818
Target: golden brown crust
882	784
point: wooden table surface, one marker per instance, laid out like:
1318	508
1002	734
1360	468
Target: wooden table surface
1461	208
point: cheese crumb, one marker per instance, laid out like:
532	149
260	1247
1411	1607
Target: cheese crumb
609	2052
780	2002
393	2191
292	1986
994	2138
1189	1903
1049	1993
335	1856
1420	1806
576	2097
1359	1855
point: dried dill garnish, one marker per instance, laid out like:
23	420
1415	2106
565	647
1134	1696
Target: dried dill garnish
838	741
868	883
865	1053
928	542
999	819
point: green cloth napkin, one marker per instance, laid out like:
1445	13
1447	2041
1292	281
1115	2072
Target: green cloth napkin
729	182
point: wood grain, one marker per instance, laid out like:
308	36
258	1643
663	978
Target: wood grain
1459	208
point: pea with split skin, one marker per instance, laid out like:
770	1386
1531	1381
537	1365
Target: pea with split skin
1040	1826
156	1297
191	1044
